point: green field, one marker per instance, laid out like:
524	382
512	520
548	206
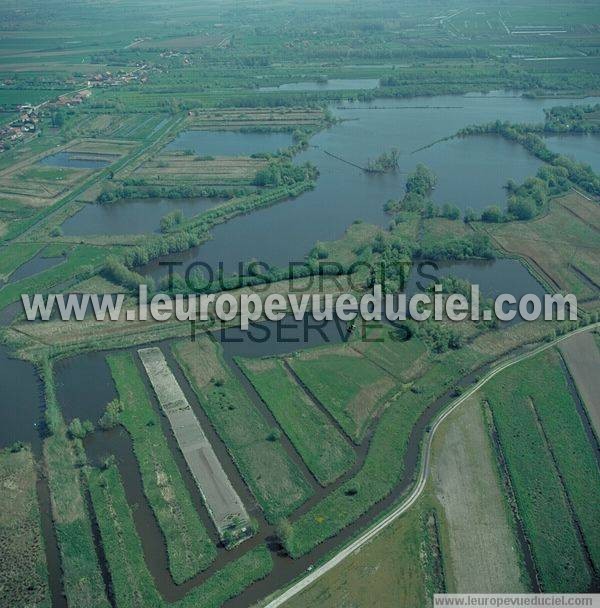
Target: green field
325	452
80	262
303	128
188	546
404	360
273	478
351	388
570	447
384	464
540	494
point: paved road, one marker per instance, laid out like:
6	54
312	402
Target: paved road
423	474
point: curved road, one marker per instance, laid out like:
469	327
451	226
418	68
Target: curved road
423	474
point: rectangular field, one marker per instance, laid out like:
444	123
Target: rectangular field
174	169
481	553
561	246
540	493
352	388
223	503
325	452
572	454
254	118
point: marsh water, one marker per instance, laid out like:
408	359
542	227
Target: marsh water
73	387
471	172
21	402
38	263
228	143
132	216
583	148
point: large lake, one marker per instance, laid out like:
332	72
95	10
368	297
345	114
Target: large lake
471	172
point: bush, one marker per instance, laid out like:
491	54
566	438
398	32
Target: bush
274	435
170	220
492	214
78	429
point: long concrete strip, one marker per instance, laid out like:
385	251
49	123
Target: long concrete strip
221	499
582	357
279	599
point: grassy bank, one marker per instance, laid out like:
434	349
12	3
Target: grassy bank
81	262
14	255
384	464
351	387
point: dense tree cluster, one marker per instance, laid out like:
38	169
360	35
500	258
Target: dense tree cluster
573	119
475	245
284	173
387	161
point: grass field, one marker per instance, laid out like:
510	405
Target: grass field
81	261
561	246
325	452
188	546
403	360
275	481
132	582
384	464
174	169
252	118
481	554
540	494
23	570
582	357
570	447
351	387
388	572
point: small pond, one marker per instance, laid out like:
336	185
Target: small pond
75	160
229	143
132	216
